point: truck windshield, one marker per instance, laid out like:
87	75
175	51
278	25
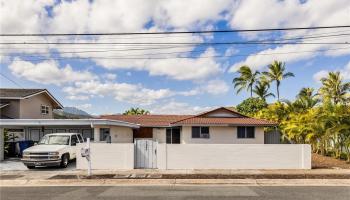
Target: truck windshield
55	140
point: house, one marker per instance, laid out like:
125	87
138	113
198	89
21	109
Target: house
27	104
27	114
217	126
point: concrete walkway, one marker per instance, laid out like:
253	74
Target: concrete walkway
148	182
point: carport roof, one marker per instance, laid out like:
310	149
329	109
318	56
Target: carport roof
65	122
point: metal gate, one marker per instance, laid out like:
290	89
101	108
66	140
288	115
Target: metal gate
145	154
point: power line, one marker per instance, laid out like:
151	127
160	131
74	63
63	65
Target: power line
309	36
166	43
14	82
193	57
178	32
100	51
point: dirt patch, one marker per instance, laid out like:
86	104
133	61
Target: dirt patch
325	162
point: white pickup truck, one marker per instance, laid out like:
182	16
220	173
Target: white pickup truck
55	149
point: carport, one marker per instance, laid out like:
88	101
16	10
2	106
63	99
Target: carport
96	129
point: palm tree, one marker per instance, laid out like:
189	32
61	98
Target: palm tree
276	73
262	90
246	79
334	89
136	111
307	98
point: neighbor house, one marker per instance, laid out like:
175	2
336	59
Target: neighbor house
27	104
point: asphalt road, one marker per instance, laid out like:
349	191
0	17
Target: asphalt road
174	192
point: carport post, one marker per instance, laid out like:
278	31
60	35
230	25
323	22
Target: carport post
2	143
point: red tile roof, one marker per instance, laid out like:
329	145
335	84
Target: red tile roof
168	120
224	121
148	120
201	119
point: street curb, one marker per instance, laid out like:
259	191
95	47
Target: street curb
176	182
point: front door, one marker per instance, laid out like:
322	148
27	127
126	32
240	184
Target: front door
145	154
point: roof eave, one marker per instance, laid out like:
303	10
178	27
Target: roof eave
65	122
224	124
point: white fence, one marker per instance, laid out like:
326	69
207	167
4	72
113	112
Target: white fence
202	156
234	156
108	156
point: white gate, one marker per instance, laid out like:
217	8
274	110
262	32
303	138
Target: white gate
145	154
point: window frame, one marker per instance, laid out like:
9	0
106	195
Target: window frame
201	135
104	135
71	140
245	132
44	108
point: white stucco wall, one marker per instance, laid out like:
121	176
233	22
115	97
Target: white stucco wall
119	134
234	156
221	135
159	134
108	156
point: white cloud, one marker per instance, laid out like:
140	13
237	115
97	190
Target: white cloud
175	68
212	87
231	51
124	92
84	106
253	13
216	87
174	107
48	72
176	13
344	72
78	97
110	76
136	93
319	75
290	14
18	16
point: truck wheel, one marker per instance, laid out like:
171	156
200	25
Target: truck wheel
31	167
64	160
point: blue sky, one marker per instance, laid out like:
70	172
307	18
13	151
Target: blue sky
172	85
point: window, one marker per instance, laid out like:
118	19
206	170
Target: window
74	140
200	132
104	134
245	132
44	110
173	135
87	133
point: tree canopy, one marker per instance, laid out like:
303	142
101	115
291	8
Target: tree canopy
136	111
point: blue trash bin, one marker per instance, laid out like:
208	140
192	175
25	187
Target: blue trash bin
24	145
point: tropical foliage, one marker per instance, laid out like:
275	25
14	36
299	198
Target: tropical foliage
136	111
251	106
317	117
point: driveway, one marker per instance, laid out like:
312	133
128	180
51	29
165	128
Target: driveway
15	164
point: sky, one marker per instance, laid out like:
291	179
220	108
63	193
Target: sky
101	79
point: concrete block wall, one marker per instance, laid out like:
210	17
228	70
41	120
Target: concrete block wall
108	156
234	156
